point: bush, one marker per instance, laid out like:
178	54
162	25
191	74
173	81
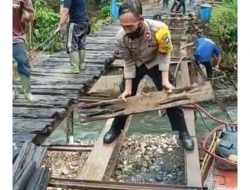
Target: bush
45	23
223	28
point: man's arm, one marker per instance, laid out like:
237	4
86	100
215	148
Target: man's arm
165	47
165	73
129	67
27	12
187	45
217	56
64	14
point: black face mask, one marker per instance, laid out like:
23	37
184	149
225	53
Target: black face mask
134	34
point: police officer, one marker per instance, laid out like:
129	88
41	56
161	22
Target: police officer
145	47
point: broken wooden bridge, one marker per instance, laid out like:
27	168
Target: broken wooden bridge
61	93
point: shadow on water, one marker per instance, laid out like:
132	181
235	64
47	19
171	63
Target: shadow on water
144	123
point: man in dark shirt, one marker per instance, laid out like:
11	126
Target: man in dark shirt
178	4
22	12
77	29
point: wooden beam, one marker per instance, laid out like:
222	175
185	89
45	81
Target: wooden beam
99	164
107	85
102	159
120	63
192	162
144	102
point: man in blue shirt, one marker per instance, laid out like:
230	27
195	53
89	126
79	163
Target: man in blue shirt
205	50
77	29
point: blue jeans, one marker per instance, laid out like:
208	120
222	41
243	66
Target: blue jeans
20	55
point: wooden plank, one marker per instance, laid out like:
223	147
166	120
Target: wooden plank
70	94
120	63
41	113
30	125
45	101
96	166
192	162
90	70
192	165
101	47
108	85
145	102
38	80
26	167
100	40
20	138
55	87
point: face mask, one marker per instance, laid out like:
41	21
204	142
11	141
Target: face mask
134	34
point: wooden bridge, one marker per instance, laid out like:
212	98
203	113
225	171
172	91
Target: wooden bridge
58	90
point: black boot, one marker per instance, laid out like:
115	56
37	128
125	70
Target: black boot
111	135
115	130
186	140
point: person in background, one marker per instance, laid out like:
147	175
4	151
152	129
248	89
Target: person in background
145	46
205	50
76	11
22	13
165	3
178	4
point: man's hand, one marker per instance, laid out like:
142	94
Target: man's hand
168	86
27	16
124	95
57	30
217	67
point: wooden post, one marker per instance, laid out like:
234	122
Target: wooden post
70	124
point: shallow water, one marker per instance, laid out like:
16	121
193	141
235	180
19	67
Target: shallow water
144	123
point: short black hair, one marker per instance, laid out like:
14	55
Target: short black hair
133	6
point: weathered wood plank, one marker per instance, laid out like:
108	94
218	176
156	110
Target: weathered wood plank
89	70
70	94
20	138
36	113
192	162
50	79
45	101
145	102
26	167
55	87
120	63
29	125
100	40
100	158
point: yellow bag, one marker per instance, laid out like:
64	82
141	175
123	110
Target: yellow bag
164	40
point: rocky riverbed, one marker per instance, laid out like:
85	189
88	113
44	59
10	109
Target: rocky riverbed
142	159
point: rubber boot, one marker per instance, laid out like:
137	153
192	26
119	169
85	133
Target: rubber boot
26	86
74	62
81	58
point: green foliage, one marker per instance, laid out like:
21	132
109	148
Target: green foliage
104	12
45	24
223	28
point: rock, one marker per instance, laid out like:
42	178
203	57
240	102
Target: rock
170	149
164	146
65	171
159	177
170	176
74	163
159	150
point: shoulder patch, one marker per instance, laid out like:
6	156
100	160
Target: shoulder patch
164	39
